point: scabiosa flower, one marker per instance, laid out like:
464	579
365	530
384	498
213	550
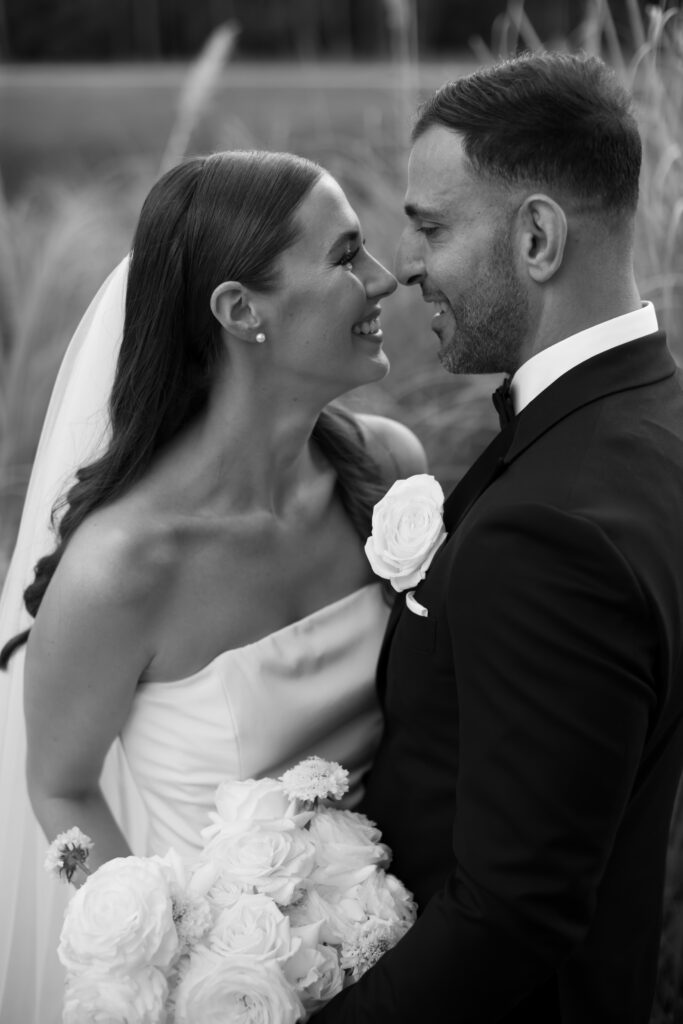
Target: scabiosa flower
192	918
364	950
69	853
315	779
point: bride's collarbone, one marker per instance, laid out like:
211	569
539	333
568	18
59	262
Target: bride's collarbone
225	582
159	543
271	563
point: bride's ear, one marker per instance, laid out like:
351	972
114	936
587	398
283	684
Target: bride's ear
233	307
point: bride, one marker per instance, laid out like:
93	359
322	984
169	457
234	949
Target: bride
206	610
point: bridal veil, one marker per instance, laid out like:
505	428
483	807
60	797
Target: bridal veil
31	902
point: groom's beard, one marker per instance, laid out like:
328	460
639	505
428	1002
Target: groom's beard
489	327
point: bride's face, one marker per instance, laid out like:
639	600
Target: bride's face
323	317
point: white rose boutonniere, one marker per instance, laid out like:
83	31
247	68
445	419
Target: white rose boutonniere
407	531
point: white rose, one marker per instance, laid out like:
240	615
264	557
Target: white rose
407	530
109	998
314	969
225	892
384	897
339	914
252	926
242	805
243	990
273	862
347	847
175	870
204	874
120	919
323	980
388	910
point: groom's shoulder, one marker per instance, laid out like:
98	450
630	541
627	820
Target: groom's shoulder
393	445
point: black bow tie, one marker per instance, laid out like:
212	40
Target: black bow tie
502	401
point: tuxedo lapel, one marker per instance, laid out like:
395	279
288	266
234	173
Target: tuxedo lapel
631	365
381	675
483	472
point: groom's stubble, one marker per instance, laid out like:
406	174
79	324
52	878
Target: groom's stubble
491	324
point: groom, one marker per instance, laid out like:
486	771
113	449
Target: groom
534	715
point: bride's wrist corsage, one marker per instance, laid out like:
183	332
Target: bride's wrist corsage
407	531
69	853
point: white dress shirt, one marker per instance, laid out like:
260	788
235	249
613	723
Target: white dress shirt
545	367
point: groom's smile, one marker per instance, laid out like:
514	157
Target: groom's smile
441	307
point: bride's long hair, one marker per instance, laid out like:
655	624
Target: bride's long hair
228	216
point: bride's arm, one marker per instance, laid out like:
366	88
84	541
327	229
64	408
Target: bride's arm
87	650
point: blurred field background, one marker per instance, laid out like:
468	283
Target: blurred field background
96	99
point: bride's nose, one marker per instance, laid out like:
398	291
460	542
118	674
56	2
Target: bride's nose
379	281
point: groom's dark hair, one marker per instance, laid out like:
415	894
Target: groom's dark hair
546	120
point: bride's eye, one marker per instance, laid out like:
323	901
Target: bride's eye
348	257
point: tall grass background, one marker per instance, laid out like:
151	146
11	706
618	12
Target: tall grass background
59	239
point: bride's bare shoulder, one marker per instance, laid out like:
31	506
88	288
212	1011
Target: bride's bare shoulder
100	612
120	556
395	447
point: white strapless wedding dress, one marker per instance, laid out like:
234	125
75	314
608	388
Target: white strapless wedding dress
308	688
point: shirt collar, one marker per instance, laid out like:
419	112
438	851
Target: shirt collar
545	367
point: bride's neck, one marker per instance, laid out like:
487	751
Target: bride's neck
251	452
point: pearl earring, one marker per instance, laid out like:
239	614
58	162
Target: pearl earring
260	337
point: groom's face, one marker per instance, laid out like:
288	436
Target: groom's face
458	247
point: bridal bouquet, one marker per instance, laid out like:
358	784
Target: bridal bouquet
288	902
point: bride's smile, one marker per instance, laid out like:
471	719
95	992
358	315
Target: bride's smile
323	313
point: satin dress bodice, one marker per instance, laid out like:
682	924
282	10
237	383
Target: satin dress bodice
308	688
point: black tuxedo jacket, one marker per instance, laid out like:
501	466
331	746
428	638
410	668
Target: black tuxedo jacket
534	719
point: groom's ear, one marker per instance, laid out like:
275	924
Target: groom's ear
233	307
543	225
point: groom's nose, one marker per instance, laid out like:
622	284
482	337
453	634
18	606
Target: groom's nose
409	265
